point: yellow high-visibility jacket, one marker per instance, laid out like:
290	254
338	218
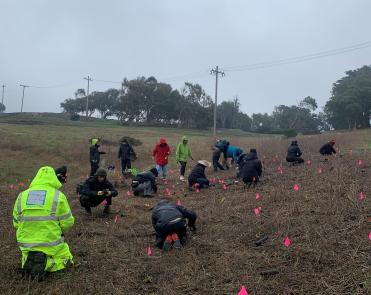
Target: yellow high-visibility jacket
41	215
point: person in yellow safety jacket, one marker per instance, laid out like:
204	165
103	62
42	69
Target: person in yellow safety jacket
41	215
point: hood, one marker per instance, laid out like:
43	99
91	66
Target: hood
162	140
251	156
184	138
162	202
294	142
94	141
46	176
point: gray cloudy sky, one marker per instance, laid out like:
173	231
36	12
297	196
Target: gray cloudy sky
47	43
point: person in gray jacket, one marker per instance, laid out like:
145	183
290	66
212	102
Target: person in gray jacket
144	184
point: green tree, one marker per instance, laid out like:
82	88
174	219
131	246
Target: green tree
2	108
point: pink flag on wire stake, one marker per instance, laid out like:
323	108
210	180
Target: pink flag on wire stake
257	211
104	202
369	235
243	291
257	196
128	193
149	251
361	196
360	162
287	242
296	187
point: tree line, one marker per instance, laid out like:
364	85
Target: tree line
148	101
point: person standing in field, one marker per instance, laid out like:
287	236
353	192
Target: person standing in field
94	156
41	216
294	153
328	148
183	153
125	153
161	154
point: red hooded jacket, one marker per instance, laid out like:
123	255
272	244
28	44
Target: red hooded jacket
161	152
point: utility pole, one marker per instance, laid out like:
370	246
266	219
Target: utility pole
216	72
2	96
24	87
88	78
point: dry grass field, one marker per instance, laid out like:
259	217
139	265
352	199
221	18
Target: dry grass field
326	221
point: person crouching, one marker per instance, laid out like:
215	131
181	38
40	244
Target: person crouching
197	176
95	190
144	184
170	223
251	170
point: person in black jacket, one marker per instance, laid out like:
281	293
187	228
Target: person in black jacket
241	161
126	152
251	168
197	175
94	156
96	190
328	148
170	223
294	153
145	183
216	157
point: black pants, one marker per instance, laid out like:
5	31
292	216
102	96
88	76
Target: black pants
183	166
88	201
180	228
216	163
125	164
250	179
93	168
294	160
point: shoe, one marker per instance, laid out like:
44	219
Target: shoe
177	244
106	210
167	244
35	265
181	178
88	210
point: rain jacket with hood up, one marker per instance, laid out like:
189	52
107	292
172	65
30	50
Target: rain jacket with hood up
161	152
41	215
234	152
183	151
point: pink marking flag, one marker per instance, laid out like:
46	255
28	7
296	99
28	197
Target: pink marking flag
128	193
361	196
287	242
197	190
224	187
296	187
257	211
309	162
11	186
350	152
257	196
104	202
243	291
178	203
360	162
369	235
149	251
116	218
320	171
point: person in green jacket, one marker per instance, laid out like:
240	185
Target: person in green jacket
183	153
41	216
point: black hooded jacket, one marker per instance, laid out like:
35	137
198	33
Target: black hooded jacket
251	167
164	212
126	151
198	171
95	154
293	151
327	149
92	186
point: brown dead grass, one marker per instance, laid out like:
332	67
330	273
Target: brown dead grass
325	220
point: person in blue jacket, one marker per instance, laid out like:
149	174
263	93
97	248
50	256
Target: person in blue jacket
234	152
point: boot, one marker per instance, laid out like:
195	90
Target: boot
106	210
35	265
177	244
167	244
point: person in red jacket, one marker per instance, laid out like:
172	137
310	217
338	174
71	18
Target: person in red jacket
161	154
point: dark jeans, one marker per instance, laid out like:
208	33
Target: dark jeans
180	228
88	201
203	182
93	168
295	160
216	163
183	166
125	164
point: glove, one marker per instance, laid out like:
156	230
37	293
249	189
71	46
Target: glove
108	193
100	193
192	228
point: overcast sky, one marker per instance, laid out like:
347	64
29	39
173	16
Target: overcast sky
57	43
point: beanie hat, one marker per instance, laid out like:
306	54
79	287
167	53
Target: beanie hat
101	172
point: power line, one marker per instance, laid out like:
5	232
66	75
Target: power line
298	59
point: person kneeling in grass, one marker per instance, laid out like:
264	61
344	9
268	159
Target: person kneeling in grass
144	184
170	223
197	176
